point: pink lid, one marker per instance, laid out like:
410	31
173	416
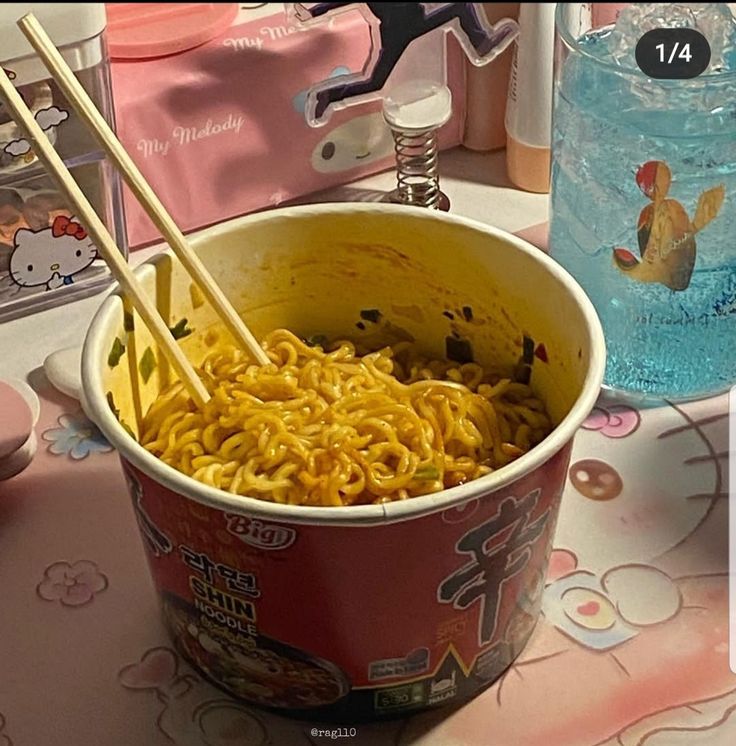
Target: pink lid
143	30
16	420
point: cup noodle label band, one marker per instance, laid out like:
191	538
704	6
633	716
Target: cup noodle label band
352	621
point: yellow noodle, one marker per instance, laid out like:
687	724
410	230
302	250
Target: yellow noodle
332	428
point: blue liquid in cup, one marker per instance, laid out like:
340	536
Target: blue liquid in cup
677	343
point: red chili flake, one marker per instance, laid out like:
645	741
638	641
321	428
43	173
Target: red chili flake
541	353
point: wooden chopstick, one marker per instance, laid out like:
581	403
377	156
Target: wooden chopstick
88	112
104	242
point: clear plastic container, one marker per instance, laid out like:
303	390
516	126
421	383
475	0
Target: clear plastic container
46	258
643	185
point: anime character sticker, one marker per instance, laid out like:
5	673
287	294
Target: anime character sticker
53	256
362	140
394	26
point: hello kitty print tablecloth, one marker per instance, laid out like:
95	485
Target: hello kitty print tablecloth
631	648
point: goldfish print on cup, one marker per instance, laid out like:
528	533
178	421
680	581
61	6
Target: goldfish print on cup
71	584
665	233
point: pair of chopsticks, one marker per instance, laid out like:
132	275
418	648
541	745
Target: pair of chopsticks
45	152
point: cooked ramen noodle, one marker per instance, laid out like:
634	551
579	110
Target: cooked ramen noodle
330	428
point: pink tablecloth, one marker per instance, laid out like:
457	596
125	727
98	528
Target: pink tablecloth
632	647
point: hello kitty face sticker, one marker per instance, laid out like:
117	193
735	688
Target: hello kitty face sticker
53	256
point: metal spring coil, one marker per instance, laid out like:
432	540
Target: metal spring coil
417	172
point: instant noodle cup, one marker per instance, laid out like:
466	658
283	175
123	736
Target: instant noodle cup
371	611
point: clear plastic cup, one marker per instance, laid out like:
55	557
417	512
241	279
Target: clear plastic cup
644	203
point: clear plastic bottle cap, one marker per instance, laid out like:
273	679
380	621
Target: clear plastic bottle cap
418	105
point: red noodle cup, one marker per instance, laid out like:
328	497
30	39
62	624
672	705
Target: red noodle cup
369	611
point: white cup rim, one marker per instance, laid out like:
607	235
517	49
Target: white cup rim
98	410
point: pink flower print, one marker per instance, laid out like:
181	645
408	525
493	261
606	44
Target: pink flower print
615	421
72	585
